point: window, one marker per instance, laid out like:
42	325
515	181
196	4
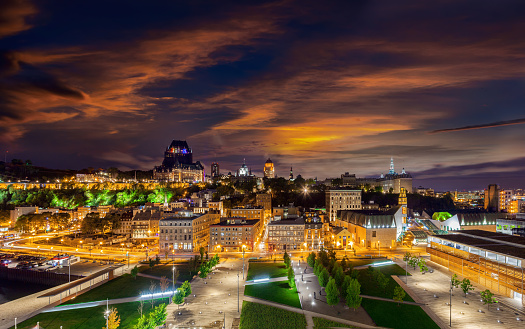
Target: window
374	234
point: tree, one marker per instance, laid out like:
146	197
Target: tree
158	315
152	286
178	298
422	265
344	263
413	262
141	304
291	278
487	298
152	262
164	284
186	288
113	319
134	272
286	259
332	293
311	259
324	277
202	250
407	257
382	280
353	291
399	294
345	285
466	286
339	275
317	264
454	281
157	259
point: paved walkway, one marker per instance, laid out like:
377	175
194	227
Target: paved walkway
213	300
157	278
433	290
282	278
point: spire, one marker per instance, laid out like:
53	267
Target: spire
291	173
403	171
391	171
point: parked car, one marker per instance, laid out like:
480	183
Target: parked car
5	261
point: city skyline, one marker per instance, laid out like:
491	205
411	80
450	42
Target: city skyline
436	86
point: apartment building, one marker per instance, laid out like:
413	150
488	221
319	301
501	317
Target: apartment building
235	234
341	199
186	231
286	235
249	213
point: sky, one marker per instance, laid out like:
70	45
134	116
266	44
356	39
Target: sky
324	86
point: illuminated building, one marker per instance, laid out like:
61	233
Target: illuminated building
269	171
372	228
492	198
342	199
291	173
233	233
248	213
264	200
313	233
505	198
393	182
185	231
215	170
178	165
244	171
286	234
493	260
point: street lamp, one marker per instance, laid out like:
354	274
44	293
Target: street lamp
173	278
450	303
106	314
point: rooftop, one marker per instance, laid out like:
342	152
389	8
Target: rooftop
491	241
297	221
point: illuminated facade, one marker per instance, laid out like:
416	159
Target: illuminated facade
341	199
186	232
286	234
178	165
244	171
269	171
233	233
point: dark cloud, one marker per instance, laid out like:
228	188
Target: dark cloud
487	125
13	16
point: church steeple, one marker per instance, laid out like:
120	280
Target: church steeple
291	173
391	171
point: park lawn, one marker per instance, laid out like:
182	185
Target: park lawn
266	270
87	318
120	287
184	269
404	316
278	292
320	323
254	316
361	262
370	287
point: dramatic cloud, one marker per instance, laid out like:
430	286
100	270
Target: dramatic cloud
326	87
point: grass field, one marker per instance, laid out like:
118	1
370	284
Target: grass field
320	323
278	292
255	316
88	318
266	270
120	287
184	270
390	315
371	288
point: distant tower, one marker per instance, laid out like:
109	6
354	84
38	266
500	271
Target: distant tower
269	171
215	169
291	173
492	198
391	171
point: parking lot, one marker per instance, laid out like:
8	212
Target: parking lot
56	264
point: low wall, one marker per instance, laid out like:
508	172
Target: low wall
45	278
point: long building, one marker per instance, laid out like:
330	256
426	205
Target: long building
286	235
494	260
235	234
186	231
